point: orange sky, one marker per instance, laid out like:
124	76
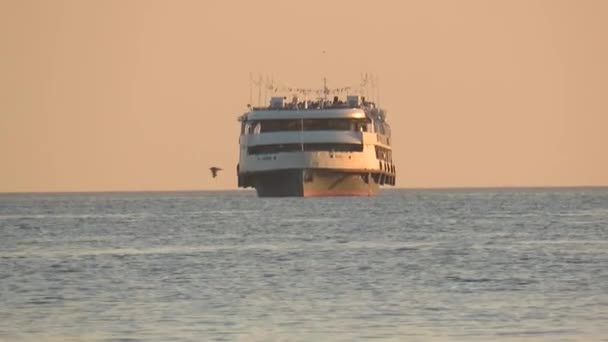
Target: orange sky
144	95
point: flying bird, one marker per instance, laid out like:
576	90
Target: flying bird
214	171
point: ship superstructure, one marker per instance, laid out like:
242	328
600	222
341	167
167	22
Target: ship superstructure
335	147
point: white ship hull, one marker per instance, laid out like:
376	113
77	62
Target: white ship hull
308	152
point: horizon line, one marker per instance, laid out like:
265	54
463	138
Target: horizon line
423	188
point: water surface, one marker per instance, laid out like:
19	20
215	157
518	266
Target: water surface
452	265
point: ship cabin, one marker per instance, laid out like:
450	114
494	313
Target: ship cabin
349	135
354	115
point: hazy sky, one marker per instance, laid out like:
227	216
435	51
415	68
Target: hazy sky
144	95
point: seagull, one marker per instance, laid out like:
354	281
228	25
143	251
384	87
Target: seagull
214	171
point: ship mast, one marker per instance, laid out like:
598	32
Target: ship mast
258	85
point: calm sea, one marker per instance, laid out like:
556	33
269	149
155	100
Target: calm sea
453	265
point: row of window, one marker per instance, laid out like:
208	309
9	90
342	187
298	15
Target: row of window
317	147
384	154
263	126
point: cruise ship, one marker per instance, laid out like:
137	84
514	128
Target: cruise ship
326	147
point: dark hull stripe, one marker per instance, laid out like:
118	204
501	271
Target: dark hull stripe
313	183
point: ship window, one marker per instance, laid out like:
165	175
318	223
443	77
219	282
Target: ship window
281	125
316	147
383	153
252	127
312	125
327	125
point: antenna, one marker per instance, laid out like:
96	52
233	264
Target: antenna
372	82
375	91
250	89
325	90
269	86
363	84
378	91
266	85
258	84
